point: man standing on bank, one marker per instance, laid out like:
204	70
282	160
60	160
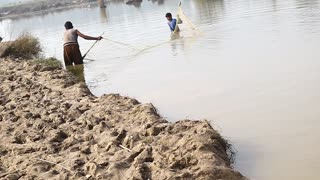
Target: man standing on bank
71	51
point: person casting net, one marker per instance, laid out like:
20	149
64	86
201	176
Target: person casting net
71	51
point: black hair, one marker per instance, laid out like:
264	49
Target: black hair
168	15
68	25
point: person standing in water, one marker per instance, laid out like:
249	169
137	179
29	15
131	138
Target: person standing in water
172	23
71	52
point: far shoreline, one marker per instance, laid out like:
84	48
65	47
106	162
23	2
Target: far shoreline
45	11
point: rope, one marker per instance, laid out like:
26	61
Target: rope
151	47
123	44
139	50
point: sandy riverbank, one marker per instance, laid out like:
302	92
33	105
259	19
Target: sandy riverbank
52	127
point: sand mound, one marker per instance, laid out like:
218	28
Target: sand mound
51	127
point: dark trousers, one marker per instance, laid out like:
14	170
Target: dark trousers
72	55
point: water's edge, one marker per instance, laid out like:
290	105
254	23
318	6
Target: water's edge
48	118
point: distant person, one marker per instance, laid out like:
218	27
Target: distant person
71	51
172	23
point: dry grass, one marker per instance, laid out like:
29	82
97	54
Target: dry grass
25	47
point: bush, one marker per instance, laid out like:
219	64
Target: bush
25	47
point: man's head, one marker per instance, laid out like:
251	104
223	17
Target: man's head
169	16
68	25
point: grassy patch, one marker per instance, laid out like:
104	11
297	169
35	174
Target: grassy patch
52	62
25	47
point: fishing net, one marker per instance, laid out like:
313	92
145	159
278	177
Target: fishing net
185	22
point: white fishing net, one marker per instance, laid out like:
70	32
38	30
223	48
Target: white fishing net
184	23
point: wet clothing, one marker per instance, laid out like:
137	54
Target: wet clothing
172	24
72	55
71	51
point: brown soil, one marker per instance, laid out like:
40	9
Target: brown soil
51	127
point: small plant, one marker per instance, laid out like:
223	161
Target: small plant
25	47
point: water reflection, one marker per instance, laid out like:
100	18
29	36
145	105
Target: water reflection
160	2
176	43
274	5
101	3
308	3
309	15
209	11
135	3
103	15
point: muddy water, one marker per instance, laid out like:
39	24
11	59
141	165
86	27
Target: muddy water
253	71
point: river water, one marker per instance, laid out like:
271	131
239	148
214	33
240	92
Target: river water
253	71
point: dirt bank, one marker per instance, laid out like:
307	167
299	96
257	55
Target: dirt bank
51	127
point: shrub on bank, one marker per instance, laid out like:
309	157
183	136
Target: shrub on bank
25	47
48	63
